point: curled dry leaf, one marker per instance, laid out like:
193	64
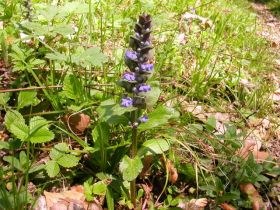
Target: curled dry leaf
253	195
226	206
172	171
77	123
197	204
68	200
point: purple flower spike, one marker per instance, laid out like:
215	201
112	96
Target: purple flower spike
129	76
147	67
130	55
126	102
143	88
143	119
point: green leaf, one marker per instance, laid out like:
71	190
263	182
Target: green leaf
153	146
73	88
210	124
4	145
151	97
34	168
13	117
13	162
99	188
100	135
27	98
4	98
108	108
130	168
88	191
63	29
39	131
56	56
94	56
23	159
20	130
62	147
15	123
68	160
158	117
52	168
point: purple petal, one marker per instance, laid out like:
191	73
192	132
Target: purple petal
126	102
129	76
143	119
143	88
130	55
147	67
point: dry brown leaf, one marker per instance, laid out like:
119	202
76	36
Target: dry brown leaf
226	206
260	156
194	204
253	195
147	162
77	123
172	171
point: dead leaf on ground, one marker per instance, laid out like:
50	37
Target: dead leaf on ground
226	206
197	204
77	123
253	195
172	171
68	200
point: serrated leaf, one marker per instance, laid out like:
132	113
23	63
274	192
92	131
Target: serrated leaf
99	188
20	130
55	154
153	146
94	56
68	160
56	56
12	117
39	131
73	88
62	147
23	159
27	98
130	168
158	117
4	98
63	29
52	168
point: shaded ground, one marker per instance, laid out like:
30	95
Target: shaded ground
270	29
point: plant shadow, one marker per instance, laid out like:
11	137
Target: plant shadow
272	5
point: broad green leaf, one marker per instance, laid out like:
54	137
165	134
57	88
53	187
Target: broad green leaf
20	130
94	56
75	7
153	146
13	162
158	117
130	168
4	145
210	124
72	87
34	168
56	56
52	168
109	108
99	188
62	147
55	154
27	98
39	131
68	160
12	117
4	98
63	29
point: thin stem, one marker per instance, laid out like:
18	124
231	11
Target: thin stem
133	153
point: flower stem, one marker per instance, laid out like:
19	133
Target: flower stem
133	153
